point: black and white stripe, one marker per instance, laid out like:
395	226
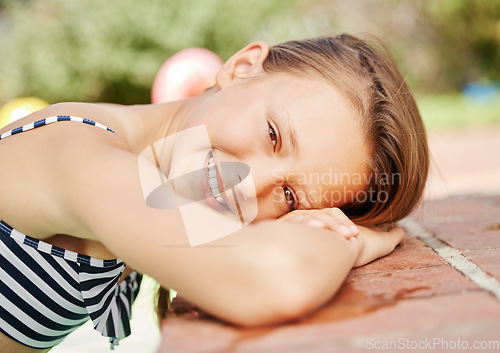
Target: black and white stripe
50	120
46	292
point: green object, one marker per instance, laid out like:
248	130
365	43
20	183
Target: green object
456	111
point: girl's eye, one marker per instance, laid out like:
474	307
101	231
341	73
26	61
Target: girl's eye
290	198
272	135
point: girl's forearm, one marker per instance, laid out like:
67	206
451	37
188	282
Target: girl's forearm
274	272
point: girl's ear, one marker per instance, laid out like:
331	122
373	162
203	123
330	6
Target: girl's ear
245	63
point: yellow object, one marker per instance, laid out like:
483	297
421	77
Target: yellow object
18	108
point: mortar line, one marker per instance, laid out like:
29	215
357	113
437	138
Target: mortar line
453	257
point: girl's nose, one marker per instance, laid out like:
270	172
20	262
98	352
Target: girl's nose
240	190
265	178
251	179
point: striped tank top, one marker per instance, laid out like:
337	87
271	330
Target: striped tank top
46	292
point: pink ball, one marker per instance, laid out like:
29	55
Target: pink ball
185	74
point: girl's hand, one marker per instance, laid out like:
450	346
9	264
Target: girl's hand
370	243
373	243
328	218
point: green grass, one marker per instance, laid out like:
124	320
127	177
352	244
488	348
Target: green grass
452	111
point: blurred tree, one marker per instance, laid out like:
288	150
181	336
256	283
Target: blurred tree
467	38
94	50
439	44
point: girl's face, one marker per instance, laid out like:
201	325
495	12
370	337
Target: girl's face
301	138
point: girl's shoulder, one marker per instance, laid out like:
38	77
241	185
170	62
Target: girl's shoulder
46	153
126	121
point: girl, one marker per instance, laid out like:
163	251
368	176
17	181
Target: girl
329	132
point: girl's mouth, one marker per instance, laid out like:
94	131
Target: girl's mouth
214	193
214	180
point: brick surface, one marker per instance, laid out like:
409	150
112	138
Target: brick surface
391	287
491	199
487	259
361	296
464	162
466	223
460	208
466	235
412	254
468	317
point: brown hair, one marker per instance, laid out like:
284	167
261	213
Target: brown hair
369	78
371	81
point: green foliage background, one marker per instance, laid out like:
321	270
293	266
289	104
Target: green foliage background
467	39
110	50
96	50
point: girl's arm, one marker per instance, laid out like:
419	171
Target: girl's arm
265	273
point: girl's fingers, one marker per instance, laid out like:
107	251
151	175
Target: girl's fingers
316	223
328	218
345	228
